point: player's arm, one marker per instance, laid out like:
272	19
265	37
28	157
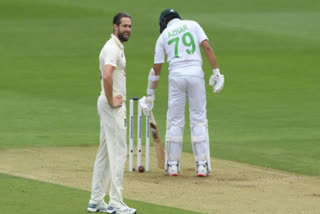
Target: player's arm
154	74
157	70
216	80
209	53
146	103
153	78
108	86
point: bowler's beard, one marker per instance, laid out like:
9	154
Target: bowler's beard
122	38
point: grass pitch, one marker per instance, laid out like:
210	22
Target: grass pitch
267	113
26	196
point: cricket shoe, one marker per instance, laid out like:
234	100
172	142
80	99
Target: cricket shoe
124	209
173	168
202	168
102	207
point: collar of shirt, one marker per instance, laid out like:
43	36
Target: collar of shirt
117	41
173	21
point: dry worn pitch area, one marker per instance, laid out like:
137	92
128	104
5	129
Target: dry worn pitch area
232	188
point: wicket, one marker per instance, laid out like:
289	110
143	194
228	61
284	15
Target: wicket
139	129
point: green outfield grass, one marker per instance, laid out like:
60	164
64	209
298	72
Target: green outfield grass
266	115
32	197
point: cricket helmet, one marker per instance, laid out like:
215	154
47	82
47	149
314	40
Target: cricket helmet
166	16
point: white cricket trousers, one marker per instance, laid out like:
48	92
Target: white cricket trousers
182	88
112	153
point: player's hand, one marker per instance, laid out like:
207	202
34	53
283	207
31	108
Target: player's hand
146	104
216	80
117	101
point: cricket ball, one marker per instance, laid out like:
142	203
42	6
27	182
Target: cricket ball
140	169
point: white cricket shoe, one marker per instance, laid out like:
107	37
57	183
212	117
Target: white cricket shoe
173	168
202	168
102	207
124	209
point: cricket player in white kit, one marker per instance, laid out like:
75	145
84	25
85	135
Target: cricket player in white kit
111	156
180	40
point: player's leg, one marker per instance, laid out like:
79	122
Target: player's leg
175	124
199	125
201	148
118	154
100	178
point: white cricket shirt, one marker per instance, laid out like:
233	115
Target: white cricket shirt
112	53
180	41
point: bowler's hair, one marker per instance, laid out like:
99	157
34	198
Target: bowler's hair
118	16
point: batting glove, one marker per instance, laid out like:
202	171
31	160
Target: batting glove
216	80
146	104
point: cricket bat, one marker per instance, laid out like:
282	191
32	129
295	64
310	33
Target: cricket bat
157	141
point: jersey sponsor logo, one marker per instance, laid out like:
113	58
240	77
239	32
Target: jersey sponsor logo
177	31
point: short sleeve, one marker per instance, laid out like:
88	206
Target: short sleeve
200	33
110	56
159	54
